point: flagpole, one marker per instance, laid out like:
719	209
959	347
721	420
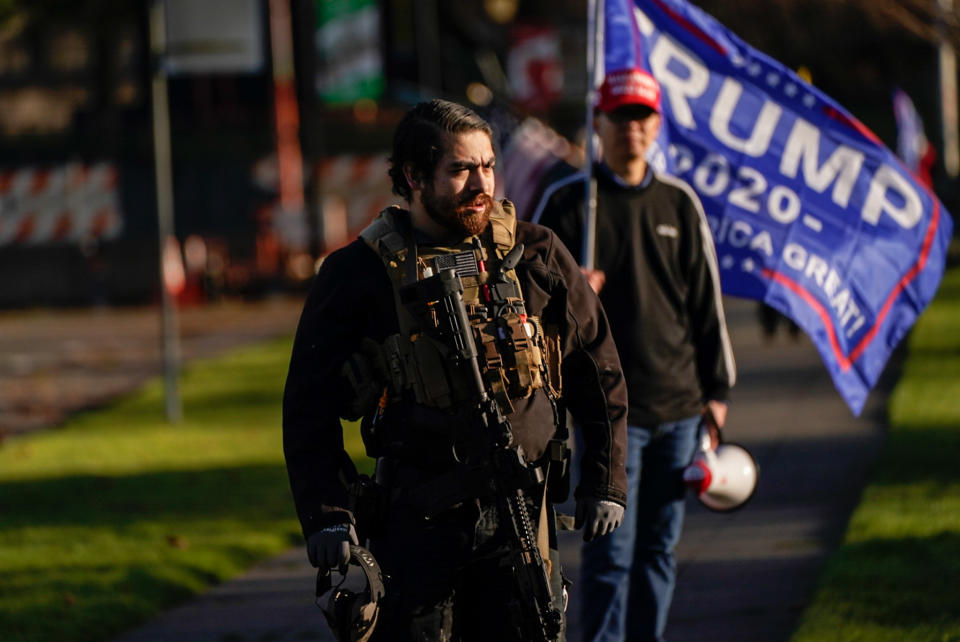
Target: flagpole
594	58
170	325
948	93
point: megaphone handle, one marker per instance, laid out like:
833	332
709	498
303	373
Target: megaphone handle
711	429
715	414
703	436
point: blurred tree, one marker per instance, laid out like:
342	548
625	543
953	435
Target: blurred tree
84	14
8	8
924	18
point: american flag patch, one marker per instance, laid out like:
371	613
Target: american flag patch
465	263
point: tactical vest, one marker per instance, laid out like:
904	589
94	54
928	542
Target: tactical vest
516	356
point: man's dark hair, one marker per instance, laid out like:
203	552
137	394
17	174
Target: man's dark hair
421	139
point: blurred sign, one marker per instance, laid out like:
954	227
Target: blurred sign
535	67
530	153
348	50
68	203
810	213
214	36
353	190
912	144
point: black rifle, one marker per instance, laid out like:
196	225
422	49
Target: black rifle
531	608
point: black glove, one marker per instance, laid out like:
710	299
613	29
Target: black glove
597	517
330	548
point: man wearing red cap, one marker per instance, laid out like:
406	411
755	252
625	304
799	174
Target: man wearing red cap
657	278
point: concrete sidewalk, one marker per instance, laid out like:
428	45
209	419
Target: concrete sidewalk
742	576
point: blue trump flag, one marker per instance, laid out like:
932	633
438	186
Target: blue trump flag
810	213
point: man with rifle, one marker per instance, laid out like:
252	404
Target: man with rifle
459	337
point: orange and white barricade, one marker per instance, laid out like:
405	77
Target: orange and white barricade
68	203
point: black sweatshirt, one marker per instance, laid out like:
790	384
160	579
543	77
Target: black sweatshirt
352	298
662	290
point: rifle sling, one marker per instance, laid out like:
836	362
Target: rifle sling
543	530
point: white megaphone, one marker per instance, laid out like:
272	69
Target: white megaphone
722	479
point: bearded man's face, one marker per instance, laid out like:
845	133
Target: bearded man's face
460	196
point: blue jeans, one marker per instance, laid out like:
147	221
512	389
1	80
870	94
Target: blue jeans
627	577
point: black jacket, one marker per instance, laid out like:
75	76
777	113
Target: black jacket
352	298
662	290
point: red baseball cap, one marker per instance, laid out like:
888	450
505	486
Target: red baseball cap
629	87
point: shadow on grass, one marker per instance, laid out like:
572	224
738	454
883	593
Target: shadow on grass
934	351
899	583
88	603
244	493
949	289
919	456
98	554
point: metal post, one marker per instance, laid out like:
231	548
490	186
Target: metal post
170	336
594	68
948	95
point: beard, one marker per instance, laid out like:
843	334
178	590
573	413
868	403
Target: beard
454	213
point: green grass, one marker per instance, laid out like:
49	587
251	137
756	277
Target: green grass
117	515
897	574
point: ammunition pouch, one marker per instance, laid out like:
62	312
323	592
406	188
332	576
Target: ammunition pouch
510	356
423	436
429	489
422	367
512	364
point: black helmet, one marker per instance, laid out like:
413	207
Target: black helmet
352	615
